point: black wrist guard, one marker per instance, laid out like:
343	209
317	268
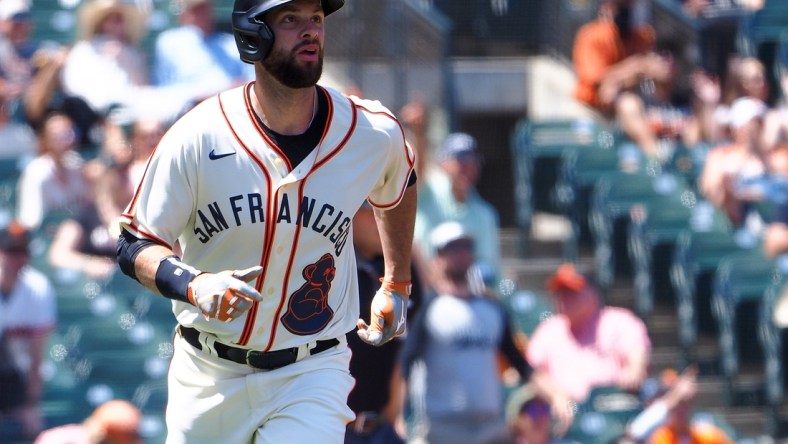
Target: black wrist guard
173	277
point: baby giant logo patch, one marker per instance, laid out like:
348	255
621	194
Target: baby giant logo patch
308	311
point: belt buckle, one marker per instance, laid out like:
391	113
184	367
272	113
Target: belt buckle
270	360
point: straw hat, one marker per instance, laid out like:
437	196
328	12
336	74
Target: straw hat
94	11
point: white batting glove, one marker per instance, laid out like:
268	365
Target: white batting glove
389	311
224	295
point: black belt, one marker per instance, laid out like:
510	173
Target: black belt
253	358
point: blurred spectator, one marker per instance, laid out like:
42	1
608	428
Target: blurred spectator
585	345
528	416
54	179
113	422
727	165
16	138
212	64
612	53
414	118
145	136
661	396
448	193
674	402
375	368
17	51
87	242
775	125
775	234
106	65
655	116
450	356
746	78
27	316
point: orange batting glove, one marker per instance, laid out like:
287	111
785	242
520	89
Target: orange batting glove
388	314
224	295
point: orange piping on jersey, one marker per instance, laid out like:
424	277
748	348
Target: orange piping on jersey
270	227
288	270
411	162
263	134
150	236
135	199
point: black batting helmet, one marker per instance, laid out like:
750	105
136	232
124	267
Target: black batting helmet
252	36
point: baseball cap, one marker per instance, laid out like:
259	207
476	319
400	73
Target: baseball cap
519	400
447	233
119	419
566	277
459	145
14	10
14	238
744	109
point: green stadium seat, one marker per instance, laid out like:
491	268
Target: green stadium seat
740	283
537	147
695	259
579	171
652	237
613	197
773	340
527	309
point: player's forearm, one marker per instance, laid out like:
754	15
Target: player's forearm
396	235
147	263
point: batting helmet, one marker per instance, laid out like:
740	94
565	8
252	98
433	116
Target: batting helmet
252	36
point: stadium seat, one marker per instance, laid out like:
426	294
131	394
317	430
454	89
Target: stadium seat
613	198
695	259
774	345
653	231
740	283
537	149
579	170
528	308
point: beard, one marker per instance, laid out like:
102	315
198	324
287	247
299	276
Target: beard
283	67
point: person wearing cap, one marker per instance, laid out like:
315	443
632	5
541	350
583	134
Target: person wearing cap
27	317
114	422
106	66
528	416
610	344
17	50
449	194
196	57
450	356
725	166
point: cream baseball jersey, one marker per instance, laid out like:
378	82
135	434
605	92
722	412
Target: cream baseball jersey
221	188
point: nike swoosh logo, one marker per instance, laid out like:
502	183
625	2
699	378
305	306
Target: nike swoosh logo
213	156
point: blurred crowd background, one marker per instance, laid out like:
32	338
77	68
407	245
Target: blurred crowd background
599	159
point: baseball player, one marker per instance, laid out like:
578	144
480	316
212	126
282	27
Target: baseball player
255	188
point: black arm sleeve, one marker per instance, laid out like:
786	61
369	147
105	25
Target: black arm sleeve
129	246
510	350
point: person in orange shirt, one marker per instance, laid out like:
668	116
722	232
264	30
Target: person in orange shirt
612	56
681	426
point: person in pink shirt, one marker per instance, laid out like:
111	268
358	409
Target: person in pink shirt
114	422
585	345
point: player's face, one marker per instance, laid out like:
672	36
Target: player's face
296	60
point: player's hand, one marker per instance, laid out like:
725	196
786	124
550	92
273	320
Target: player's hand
224	295
388	316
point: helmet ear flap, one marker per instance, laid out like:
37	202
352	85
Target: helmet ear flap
253	38
254	45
